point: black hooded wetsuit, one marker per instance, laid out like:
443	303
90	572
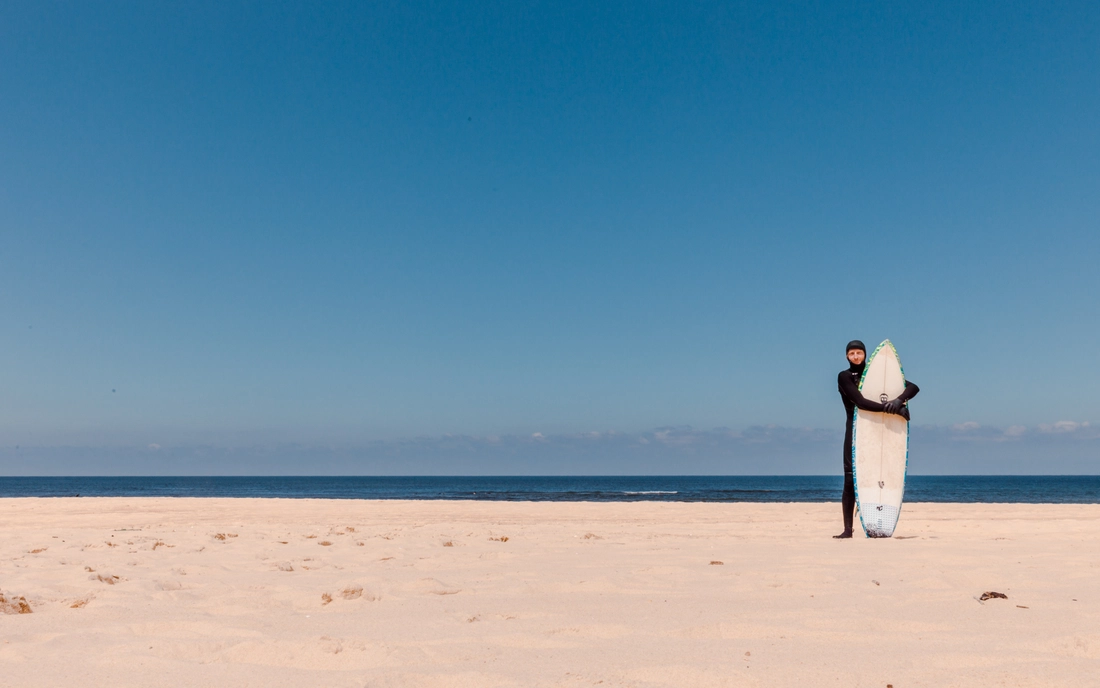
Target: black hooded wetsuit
848	384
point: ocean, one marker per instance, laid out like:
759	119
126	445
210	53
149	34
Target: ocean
722	488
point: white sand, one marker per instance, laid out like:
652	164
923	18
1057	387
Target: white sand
579	594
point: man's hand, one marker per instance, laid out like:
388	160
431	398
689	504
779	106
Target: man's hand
897	407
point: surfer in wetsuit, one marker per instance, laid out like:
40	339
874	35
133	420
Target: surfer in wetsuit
848	384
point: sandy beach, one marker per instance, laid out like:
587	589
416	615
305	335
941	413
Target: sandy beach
267	592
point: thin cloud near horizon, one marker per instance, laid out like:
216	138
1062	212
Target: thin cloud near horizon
962	448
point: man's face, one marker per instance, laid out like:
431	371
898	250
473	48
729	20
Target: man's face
856	356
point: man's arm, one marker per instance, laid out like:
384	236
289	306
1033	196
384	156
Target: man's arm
897	405
850	391
911	391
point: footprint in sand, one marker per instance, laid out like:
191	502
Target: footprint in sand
12	604
285	566
315	564
331	645
169	585
354	591
108	579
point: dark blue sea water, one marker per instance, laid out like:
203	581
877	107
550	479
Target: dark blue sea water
954	488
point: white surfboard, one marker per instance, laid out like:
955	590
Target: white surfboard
880	445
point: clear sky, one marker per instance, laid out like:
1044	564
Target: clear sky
407	237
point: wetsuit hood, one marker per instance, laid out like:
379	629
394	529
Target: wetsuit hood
852	367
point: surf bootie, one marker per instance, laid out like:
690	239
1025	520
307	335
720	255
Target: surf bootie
843	536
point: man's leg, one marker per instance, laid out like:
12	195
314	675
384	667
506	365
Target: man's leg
848	498
848	502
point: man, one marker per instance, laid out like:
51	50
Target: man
848	384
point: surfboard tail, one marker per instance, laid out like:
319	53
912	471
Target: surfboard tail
879	520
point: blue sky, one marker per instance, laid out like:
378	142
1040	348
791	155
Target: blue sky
276	233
